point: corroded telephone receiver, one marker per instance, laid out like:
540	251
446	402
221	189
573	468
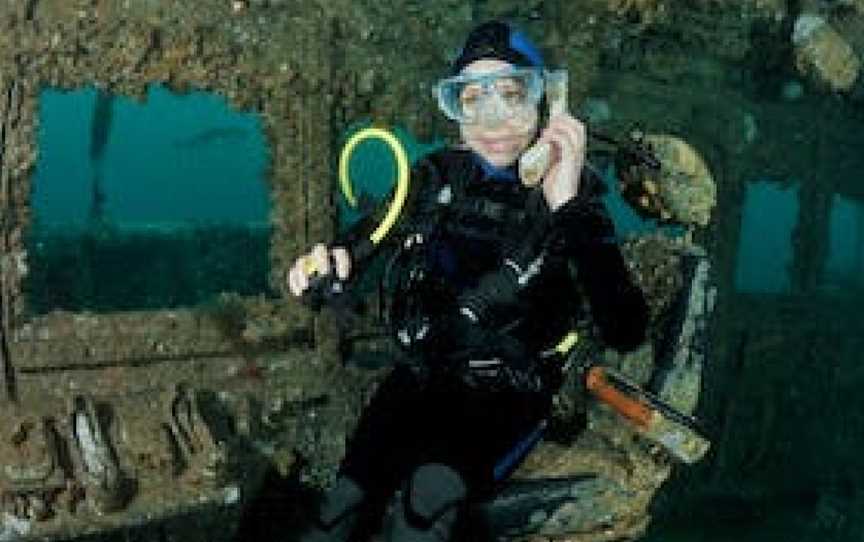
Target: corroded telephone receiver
535	161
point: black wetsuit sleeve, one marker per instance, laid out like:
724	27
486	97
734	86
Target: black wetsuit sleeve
586	237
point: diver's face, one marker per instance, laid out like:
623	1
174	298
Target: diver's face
500	141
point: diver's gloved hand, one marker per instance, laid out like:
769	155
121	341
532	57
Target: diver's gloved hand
319	274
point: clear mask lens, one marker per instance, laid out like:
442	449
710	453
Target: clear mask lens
489	110
491	97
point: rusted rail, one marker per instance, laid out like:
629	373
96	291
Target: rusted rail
8	102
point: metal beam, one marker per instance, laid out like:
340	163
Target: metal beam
7	371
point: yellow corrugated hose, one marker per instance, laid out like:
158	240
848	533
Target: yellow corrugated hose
401	192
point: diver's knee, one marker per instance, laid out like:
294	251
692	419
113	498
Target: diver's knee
429	507
434	488
337	513
342	499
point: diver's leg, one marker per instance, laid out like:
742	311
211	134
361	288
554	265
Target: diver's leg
383	448
429	506
376	460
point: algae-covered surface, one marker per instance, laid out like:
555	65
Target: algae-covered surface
218	406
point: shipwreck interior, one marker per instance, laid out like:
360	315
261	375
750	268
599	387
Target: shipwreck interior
163	162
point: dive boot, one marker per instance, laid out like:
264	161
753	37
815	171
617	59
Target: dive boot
428	508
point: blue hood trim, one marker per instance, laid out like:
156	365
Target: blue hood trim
498	174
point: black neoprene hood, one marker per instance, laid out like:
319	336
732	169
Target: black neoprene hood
498	40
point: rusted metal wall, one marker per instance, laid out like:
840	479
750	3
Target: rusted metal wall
130	363
123	51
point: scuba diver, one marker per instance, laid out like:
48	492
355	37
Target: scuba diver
492	273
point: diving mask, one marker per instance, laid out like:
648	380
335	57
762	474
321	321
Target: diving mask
511	93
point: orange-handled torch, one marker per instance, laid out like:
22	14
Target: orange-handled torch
652	417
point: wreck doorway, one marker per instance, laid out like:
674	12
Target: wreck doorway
765	250
147	205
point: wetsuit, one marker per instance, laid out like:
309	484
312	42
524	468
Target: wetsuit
471	218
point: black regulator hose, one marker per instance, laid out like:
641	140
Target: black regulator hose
501	287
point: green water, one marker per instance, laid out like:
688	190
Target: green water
146	205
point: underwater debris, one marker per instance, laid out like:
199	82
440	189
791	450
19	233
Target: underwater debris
96	466
683	190
33	476
823	54
203	458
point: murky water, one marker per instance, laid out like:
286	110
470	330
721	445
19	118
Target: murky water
150	205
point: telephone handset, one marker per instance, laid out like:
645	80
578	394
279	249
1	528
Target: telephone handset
534	162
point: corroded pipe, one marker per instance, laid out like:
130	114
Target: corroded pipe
100	131
7	372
